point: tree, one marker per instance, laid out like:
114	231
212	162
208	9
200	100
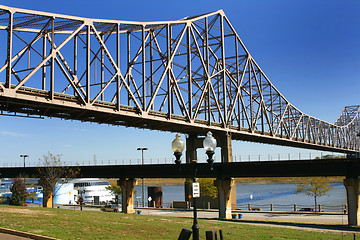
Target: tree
207	188
114	189
315	187
52	171
19	193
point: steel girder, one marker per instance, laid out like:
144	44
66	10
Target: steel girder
191	75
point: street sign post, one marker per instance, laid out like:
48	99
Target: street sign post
81	200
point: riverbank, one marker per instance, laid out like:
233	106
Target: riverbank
239	181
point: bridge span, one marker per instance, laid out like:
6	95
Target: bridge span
349	168
190	75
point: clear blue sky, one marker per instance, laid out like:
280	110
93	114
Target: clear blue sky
310	50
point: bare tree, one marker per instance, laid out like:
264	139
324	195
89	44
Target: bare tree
51	172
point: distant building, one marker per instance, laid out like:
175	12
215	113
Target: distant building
92	190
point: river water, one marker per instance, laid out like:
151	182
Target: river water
282	196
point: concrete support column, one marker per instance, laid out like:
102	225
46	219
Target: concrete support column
127	186
47	199
352	186
227	193
191	146
47	193
224	187
224	142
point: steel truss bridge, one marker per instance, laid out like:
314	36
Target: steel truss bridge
191	76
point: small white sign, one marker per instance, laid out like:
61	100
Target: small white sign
149	199
196	190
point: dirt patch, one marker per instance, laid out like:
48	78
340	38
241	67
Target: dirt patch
17	210
23	211
165	220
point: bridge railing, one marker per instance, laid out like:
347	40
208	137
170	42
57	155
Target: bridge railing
151	161
290	207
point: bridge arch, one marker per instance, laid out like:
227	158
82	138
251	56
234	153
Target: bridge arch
190	75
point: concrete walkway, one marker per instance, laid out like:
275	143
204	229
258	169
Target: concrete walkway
303	217
310	221
303	221
4	236
9	234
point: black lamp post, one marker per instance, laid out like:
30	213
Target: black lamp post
24	156
142	161
195	226
209	144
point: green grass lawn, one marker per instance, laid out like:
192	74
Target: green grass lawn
70	224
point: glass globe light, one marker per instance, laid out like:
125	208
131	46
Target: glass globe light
209	142
178	144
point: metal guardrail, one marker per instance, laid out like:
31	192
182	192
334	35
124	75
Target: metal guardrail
269	207
149	161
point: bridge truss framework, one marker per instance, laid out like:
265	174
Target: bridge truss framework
191	76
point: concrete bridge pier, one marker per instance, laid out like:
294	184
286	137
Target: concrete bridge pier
227	200
352	186
47	195
127	186
224	187
47	199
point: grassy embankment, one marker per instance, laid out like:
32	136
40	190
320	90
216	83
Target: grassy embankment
70	224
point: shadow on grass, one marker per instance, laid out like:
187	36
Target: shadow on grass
330	227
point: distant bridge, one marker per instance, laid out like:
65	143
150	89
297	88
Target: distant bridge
191	76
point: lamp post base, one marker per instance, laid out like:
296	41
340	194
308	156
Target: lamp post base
195	226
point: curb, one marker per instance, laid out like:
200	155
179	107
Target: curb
25	234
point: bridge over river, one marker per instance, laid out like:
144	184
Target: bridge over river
190	76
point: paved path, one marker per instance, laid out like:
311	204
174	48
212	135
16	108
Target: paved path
339	219
4	236
302	221
322	218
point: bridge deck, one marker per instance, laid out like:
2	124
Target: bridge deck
297	168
